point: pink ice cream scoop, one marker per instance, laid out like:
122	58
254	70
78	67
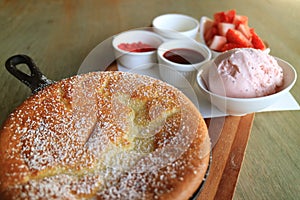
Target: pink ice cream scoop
245	73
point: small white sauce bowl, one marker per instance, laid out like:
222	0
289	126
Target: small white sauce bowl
243	106
176	26
177	74
141	60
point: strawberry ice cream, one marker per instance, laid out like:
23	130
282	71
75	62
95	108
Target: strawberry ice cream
245	73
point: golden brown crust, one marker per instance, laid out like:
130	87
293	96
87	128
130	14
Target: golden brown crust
108	135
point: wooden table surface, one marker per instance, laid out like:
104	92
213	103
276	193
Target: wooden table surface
59	34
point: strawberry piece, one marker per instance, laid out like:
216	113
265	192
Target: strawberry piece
229	46
227	16
217	43
223	28
220	17
230	15
257	42
210	33
245	30
235	36
240	19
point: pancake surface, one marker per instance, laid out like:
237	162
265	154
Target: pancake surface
104	135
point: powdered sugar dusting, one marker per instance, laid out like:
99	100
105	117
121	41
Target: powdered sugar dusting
109	135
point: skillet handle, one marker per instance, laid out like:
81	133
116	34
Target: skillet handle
35	81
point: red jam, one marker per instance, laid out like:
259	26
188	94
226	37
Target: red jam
136	47
184	56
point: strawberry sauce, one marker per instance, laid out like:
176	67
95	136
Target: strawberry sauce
136	47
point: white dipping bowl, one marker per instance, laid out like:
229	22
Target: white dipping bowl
243	106
206	23
176	26
180	75
141	60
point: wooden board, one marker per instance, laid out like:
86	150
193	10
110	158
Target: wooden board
227	158
227	154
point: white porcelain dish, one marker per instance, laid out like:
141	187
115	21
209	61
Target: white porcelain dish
242	106
176	26
131	60
180	74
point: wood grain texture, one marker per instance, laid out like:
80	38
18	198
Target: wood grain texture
228	155
235	158
59	34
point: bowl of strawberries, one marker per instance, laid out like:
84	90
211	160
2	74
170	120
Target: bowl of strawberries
228	30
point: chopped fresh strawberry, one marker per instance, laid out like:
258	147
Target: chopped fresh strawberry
240	19
227	16
257	42
236	31
235	36
220	17
230	15
210	33
229	46
223	28
245	30
217	43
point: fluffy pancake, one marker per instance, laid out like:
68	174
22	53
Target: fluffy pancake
104	135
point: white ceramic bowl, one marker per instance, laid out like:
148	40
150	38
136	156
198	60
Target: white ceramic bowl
242	106
180	74
141	60
206	23
176	26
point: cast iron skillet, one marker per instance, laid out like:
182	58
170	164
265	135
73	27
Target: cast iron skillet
36	81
